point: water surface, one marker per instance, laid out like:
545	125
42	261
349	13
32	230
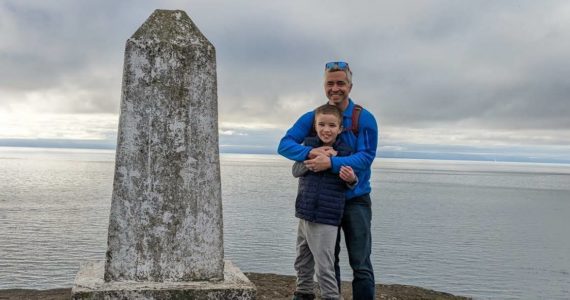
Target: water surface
481	229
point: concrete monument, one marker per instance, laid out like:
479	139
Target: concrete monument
165	230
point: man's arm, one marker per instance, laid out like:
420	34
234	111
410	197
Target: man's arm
290	145
366	145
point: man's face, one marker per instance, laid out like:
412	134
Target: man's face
337	88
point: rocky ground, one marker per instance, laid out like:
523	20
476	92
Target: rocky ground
269	286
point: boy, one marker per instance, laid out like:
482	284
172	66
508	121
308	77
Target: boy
319	207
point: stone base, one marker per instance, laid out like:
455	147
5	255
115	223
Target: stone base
89	284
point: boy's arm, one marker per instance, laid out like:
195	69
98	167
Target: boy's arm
290	145
366	145
352	185
347	174
299	169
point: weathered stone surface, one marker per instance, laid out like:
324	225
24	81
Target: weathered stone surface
89	284
166	212
165	229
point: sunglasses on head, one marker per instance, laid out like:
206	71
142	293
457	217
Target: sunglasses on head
337	65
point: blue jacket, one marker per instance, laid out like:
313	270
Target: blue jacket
364	146
321	195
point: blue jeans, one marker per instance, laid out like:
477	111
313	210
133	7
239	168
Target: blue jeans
356	227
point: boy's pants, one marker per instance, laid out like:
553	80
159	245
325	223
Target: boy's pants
315	253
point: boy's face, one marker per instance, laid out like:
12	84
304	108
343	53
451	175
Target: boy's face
327	127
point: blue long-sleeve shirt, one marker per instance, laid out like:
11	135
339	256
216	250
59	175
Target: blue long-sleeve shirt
365	146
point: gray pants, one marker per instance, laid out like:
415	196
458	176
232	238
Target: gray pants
315	253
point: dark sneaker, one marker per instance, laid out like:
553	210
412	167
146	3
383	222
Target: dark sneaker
301	296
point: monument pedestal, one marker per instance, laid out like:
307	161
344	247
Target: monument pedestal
89	284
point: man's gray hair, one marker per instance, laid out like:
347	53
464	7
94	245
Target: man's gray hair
346	71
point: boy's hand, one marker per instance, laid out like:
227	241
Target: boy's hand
320	151
347	174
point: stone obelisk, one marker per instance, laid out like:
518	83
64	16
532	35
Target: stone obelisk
166	211
165	230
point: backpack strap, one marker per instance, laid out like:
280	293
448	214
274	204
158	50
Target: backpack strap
355	117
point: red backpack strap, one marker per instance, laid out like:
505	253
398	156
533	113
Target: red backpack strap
355	117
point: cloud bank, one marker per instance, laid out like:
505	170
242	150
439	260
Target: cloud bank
433	72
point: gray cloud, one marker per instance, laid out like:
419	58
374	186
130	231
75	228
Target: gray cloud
480	65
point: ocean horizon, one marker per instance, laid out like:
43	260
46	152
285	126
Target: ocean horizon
423	152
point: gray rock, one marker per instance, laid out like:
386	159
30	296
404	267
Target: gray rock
165	228
166	212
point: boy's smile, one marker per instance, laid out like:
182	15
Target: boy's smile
327	127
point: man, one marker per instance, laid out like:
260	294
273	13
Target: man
357	212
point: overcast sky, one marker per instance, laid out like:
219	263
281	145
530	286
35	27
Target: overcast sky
471	73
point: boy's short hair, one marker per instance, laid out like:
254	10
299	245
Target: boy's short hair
329	109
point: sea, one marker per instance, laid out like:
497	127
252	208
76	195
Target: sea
488	230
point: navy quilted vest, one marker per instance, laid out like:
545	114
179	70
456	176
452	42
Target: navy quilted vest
321	195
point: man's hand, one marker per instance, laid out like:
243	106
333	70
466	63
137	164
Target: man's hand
347	174
324	150
319	163
331	152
